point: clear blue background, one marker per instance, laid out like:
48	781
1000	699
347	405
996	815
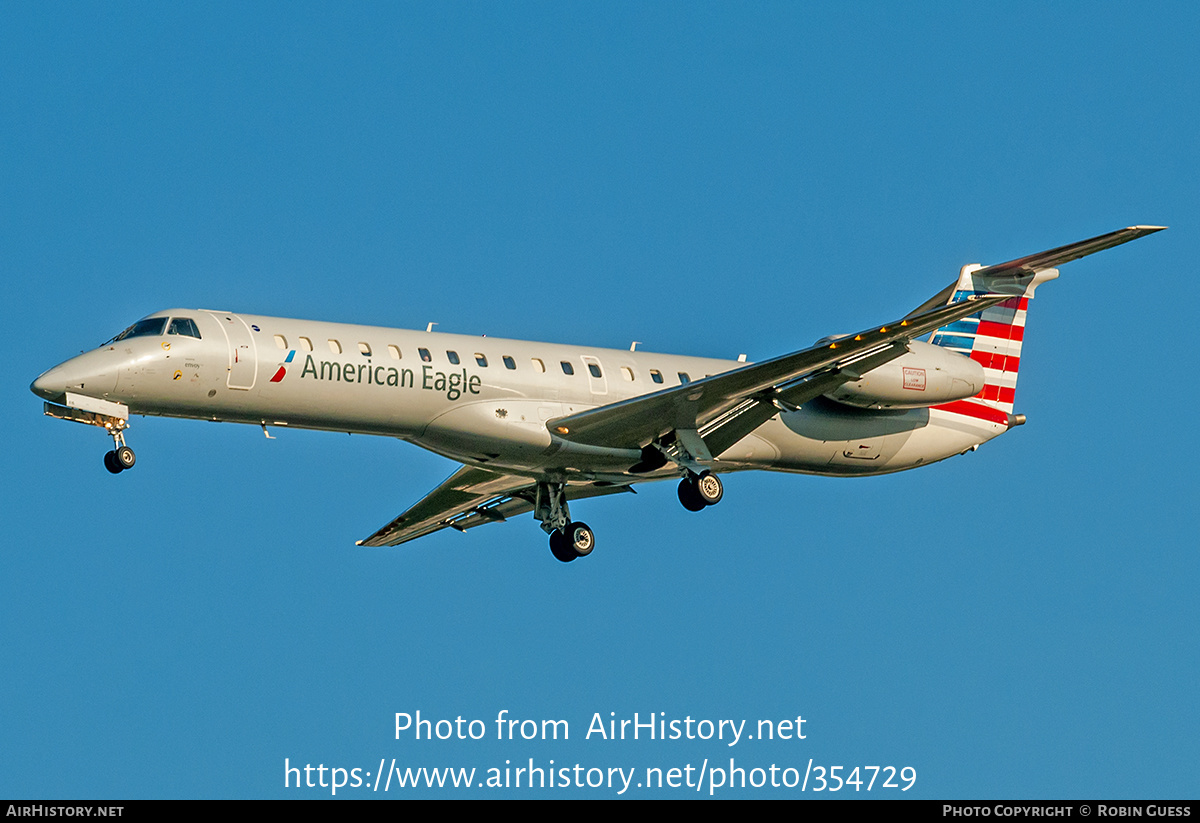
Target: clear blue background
710	179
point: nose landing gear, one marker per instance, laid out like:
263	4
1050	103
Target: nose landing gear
112	417
121	457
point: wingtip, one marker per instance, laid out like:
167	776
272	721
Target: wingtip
1148	229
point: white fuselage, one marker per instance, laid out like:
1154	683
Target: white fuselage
490	408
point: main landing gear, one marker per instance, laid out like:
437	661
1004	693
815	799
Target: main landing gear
576	540
698	491
568	540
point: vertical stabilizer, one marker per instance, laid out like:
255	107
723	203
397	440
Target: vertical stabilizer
992	337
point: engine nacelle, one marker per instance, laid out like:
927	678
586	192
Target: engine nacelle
926	376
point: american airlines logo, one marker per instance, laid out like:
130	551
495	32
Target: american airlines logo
279	375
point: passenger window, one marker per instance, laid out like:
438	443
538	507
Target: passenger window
567	368
452	356
509	363
425	356
683	378
656	375
280	340
364	349
306	344
538	365
594	369
335	346
627	373
394	352
184	326
480	359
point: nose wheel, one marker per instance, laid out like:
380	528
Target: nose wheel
121	457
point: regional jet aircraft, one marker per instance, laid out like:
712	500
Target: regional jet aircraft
540	426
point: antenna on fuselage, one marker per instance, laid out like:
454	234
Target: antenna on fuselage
430	327
633	346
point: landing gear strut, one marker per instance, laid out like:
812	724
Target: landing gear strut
568	540
698	491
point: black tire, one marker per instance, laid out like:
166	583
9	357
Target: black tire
689	497
580	539
559	547
124	457
110	463
709	488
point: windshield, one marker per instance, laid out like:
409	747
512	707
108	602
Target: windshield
150	327
185	326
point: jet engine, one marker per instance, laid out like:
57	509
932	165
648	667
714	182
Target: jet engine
927	375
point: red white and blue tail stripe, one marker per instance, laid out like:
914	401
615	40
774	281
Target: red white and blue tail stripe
992	338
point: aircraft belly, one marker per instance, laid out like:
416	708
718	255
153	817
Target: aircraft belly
512	432
751	450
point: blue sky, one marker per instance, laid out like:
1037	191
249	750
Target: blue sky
708	179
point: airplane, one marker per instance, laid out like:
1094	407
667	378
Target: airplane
540	426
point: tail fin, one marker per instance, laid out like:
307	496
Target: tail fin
993	336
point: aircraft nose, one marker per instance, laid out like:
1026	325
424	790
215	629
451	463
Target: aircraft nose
49	385
91	373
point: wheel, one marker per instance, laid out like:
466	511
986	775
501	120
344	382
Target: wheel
124	457
559	547
689	497
580	539
110	463
709	488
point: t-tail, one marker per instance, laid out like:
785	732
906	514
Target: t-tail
993	337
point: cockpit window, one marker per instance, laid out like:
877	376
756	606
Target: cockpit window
185	326
150	327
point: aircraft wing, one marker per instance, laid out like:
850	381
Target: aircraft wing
1045	260
1065	254
727	406
472	497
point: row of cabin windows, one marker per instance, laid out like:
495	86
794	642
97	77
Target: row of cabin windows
481	360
